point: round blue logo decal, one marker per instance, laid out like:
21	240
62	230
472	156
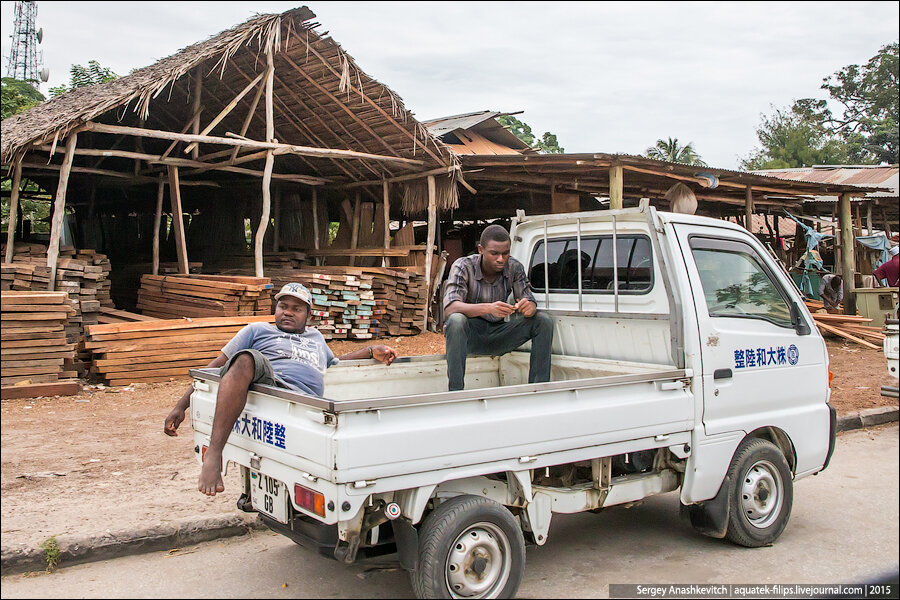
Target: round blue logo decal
793	354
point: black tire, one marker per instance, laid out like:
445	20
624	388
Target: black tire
461	541
762	494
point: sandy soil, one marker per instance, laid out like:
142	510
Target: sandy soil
99	461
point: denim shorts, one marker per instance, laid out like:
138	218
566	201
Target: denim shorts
263	371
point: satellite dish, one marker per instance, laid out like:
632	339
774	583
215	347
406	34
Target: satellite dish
40	35
45	74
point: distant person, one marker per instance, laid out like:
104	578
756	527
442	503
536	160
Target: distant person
831	291
287	354
475	310
889	270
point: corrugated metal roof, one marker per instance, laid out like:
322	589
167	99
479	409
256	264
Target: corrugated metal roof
887	178
443	125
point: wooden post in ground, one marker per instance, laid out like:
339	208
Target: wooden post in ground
616	187
748	209
276	233
315	216
157	221
429	243
13	211
267	172
887	225
869	226
354	228
848	262
195	109
386	207
178	220
59	209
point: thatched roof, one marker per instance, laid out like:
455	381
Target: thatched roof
322	99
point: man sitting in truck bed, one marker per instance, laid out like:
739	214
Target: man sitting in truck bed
288	354
475	310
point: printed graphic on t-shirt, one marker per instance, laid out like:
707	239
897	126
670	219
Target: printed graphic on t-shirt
304	351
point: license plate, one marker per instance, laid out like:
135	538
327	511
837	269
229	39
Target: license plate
269	496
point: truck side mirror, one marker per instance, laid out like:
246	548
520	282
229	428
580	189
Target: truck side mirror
797	320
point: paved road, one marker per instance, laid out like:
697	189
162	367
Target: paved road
844	529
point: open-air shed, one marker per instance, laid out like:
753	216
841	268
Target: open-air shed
268	119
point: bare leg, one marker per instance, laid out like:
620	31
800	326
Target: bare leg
230	401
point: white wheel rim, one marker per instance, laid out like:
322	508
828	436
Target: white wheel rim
479	562
762	494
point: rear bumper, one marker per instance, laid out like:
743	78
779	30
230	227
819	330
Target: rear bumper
323	539
832	434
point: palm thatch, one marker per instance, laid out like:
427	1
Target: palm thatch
322	99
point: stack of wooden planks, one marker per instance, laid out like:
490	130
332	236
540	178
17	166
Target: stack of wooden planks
848	327
17	277
147	351
342	304
35	351
173	296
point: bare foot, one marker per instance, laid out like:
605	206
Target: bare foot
210	480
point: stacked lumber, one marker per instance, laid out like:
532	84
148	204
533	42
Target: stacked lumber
17	276
35	349
147	351
342	304
848	327
112	315
126	279
174	296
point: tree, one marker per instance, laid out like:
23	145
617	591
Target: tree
547	144
18	96
796	137
80	76
870	96
671	151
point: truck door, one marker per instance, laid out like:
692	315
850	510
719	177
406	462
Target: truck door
757	368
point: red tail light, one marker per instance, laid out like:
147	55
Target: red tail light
310	500
830	377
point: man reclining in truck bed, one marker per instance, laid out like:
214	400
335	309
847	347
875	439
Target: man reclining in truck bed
288	354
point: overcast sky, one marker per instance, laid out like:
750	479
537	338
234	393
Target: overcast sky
605	77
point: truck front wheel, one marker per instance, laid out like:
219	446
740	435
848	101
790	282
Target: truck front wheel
469	547
762	495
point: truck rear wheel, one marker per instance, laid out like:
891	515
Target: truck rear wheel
469	547
762	496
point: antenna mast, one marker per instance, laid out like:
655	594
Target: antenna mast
25	60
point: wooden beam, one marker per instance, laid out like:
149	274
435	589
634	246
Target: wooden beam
13	211
616	187
249	118
157	221
748	209
195	109
315	216
276	233
178	220
59	209
398	179
386	207
848	262
184	129
224	113
270	163
278	148
429	244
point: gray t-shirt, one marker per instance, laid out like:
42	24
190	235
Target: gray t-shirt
300	359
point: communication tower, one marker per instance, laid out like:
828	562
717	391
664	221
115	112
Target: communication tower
25	60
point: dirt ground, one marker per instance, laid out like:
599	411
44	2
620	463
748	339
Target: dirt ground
99	461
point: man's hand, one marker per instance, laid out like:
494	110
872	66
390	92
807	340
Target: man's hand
384	354
174	420
526	307
500	309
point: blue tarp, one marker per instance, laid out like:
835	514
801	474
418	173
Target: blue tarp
812	260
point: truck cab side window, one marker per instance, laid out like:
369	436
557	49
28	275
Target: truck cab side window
735	284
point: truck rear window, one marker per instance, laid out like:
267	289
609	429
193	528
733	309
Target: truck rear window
633	256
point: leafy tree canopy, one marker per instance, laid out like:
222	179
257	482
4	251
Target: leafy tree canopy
671	151
547	144
80	76
18	95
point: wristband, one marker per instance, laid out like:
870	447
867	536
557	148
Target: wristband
371	352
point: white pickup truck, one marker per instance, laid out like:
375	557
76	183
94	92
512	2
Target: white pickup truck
683	358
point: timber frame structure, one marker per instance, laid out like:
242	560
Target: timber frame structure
260	112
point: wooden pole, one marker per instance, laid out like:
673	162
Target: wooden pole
848	263
429	245
616	187
276	233
748	209
869	226
195	110
59	209
178	220
13	211
354	228
887	225
386	207
222	114
267	172
315	215
157	221
249	118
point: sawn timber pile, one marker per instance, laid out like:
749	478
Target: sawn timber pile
34	345
849	327
174	296
147	351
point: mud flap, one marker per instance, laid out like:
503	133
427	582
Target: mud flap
407	539
710	517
